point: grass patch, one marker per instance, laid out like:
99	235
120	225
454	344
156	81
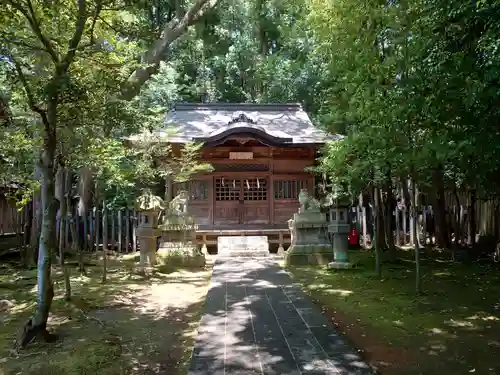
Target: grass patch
454	327
131	325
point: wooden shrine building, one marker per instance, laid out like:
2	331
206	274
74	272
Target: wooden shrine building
258	152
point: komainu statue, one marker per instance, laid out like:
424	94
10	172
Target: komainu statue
147	201
307	203
179	204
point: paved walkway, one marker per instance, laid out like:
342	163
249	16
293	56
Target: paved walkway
257	322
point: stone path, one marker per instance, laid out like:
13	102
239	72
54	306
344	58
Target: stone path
257	322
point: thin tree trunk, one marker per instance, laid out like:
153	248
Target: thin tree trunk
379	221
104	241
389	234
63	219
442	235
456	225
413	223
378	268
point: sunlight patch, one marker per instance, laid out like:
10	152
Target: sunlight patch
340	292
460	324
483	317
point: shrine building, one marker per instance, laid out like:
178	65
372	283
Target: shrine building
258	152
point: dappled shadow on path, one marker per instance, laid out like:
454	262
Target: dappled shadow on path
257	322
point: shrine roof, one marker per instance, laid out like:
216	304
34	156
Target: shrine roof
209	122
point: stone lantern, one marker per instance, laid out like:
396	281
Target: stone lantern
148	208
339	228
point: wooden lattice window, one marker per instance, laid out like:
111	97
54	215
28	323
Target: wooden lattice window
227	189
288	189
255	189
197	189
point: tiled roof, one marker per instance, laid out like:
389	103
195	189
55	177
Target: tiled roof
287	122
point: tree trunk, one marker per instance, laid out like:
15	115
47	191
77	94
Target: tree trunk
456	225
104	241
379	220
389	234
85	186
442	235
37	326
63	209
378	233
413	223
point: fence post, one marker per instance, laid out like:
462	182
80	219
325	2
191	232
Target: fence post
120	232
77	223
398	229
134	233
104	228
127	230
97	228
91	228
364	226
85	230
405	228
424	225
113	231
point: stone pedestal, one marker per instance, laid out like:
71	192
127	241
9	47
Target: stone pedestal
309	235
178	244
339	228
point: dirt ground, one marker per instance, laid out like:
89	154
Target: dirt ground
131	325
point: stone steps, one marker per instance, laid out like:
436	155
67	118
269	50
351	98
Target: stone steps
243	246
248	253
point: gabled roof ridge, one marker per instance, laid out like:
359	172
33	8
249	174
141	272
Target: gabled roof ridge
239	106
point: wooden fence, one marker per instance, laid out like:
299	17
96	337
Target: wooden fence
12	219
112	230
487	217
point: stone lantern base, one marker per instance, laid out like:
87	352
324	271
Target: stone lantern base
339	265
340	231
308	254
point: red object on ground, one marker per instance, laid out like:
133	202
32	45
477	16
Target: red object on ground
353	237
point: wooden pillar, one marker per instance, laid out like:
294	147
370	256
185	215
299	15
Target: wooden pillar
271	185
271	199
211	199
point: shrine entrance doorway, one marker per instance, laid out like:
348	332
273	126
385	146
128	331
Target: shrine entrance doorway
241	200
